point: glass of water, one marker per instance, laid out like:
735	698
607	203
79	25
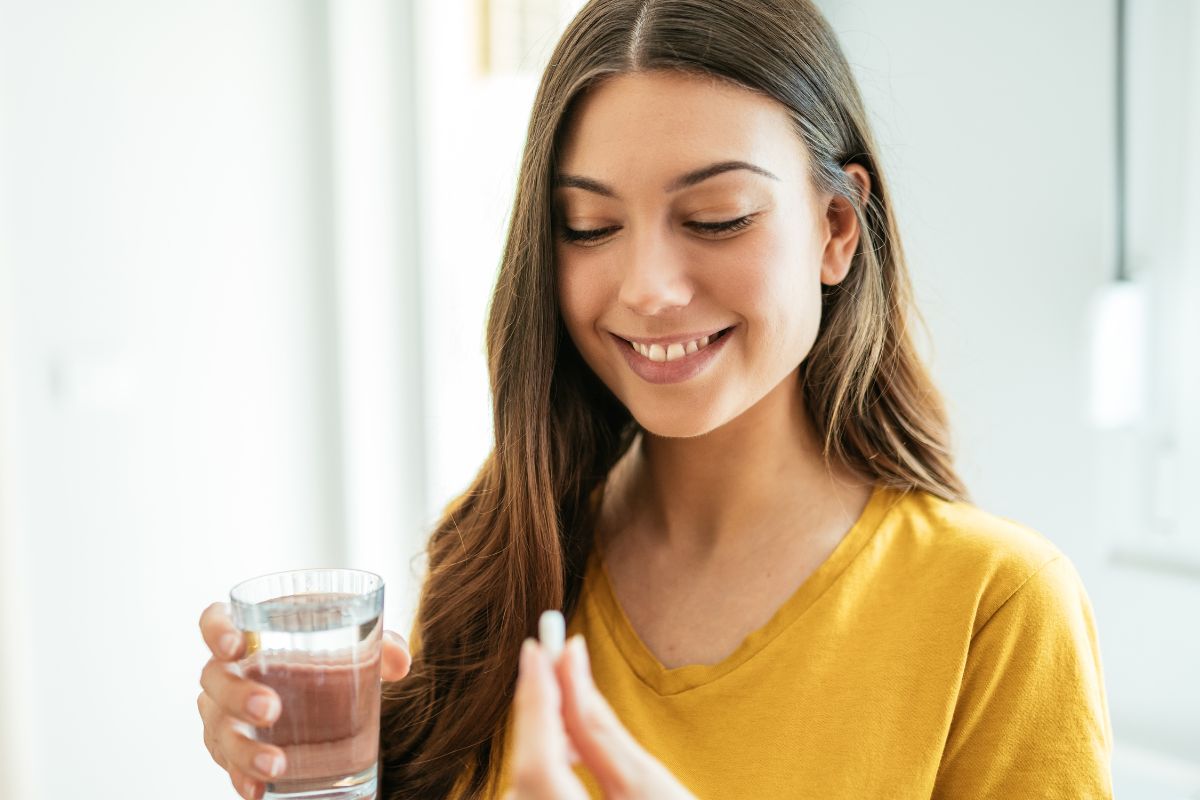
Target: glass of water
315	637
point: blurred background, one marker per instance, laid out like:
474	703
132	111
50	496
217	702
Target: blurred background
246	251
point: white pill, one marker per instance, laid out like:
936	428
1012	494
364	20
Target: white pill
552	631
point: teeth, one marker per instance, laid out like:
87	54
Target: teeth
656	352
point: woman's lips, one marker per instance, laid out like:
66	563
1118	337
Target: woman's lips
681	369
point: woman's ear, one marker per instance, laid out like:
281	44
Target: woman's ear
843	228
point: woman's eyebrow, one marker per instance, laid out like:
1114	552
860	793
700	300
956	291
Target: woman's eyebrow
682	182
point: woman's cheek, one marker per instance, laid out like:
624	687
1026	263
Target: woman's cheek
580	300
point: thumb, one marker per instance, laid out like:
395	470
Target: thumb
605	747
396	658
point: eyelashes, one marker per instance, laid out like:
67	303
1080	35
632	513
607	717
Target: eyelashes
591	236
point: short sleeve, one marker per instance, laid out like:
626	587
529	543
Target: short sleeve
1032	717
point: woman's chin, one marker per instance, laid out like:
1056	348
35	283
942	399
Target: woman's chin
678	425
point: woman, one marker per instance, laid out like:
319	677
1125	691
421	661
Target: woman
717	452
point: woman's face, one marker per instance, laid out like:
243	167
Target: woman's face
678	249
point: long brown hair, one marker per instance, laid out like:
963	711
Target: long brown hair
515	543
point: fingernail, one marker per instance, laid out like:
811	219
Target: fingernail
263	707
229	643
248	788
268	764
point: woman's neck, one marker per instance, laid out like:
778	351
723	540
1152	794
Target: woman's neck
754	479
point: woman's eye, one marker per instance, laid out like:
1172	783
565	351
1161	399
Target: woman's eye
723	227
585	237
572	235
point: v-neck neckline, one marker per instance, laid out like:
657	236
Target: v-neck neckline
674	680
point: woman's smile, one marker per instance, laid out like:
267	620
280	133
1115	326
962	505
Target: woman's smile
673	362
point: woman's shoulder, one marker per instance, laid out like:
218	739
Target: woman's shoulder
958	542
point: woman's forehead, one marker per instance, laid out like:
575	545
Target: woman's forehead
666	123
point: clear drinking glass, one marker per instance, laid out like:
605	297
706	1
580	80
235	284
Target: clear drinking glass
315	637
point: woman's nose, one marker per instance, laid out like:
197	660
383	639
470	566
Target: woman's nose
655	276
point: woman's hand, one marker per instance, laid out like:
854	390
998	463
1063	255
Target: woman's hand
561	717
225	702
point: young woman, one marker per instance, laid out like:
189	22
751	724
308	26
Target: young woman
717	452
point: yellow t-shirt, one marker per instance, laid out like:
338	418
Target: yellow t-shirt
940	651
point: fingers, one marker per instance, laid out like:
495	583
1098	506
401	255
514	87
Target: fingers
239	697
537	709
234	750
397	659
222	637
605	747
256	760
229	701
209	714
246	786
540	769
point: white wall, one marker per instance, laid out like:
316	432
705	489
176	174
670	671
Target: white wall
16	666
471	133
172	413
